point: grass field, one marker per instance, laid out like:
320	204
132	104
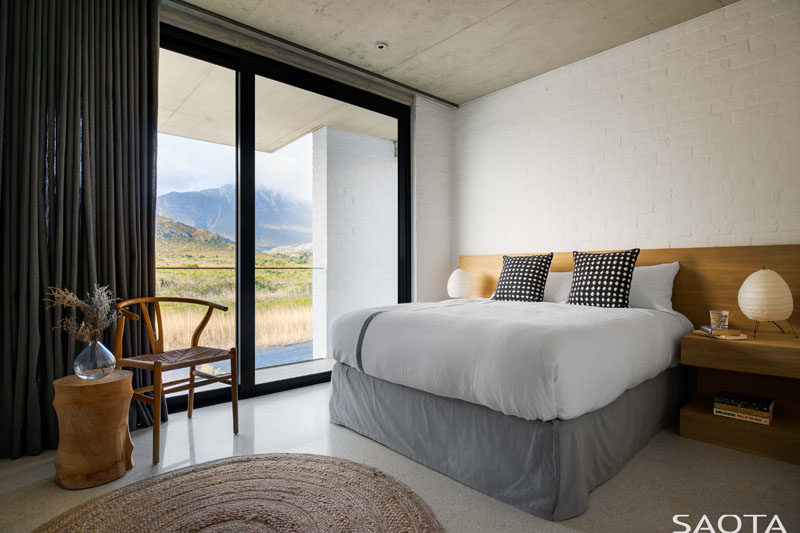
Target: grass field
283	294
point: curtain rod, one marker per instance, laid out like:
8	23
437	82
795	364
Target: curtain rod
289	46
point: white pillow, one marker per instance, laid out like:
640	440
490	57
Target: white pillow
556	289
651	286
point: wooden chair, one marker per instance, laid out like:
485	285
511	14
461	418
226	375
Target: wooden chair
160	361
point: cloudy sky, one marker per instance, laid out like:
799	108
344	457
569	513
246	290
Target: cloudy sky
191	165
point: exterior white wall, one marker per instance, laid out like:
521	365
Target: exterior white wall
319	245
688	137
354	226
432	156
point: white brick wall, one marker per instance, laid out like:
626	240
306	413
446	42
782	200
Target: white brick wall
687	137
432	144
319	242
354	226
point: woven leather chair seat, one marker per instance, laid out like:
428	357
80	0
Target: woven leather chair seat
182	358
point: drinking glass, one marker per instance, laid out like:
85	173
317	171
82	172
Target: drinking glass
719	320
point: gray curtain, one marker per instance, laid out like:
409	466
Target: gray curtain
78	102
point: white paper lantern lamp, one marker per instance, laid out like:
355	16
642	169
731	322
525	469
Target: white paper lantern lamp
460	284
765	296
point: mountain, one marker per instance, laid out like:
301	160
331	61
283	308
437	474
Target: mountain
279	220
171	231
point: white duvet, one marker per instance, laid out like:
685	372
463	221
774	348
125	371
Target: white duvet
538	361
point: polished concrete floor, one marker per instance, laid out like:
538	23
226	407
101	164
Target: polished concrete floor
670	475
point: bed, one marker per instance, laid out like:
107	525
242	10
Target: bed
534	404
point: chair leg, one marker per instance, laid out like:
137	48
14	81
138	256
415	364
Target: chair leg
235	391
156	410
190	401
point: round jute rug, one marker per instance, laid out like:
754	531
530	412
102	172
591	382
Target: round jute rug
276	492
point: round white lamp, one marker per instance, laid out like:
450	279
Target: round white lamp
460	284
764	296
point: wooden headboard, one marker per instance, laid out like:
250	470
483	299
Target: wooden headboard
709	278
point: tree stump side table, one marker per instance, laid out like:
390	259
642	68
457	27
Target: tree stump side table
94	445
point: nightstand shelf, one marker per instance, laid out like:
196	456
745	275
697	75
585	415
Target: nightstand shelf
768	366
770	353
780	440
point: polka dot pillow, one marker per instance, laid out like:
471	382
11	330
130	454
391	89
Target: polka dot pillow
602	280
523	278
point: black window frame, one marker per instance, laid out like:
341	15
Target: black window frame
247	65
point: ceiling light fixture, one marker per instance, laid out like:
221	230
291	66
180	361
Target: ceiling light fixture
381	45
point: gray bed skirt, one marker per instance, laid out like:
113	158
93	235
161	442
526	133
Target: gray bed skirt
544	468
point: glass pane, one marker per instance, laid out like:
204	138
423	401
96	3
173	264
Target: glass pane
326	218
196	204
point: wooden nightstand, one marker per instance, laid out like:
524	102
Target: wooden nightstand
94	446
767	366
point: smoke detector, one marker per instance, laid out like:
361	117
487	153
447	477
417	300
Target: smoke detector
381	45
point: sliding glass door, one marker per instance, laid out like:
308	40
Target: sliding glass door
196	205
325	218
283	195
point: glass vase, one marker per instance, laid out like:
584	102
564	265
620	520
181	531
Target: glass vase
94	362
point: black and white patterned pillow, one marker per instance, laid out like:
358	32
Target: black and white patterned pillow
523	278
602	280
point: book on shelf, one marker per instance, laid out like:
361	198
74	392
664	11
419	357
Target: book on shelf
737	337
742	410
741	416
720	331
739	406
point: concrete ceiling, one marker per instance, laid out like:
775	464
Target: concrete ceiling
460	49
197	100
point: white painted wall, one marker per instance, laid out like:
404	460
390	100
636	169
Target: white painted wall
354	226
319	245
688	137
432	217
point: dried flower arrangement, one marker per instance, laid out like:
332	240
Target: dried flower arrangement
98	311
